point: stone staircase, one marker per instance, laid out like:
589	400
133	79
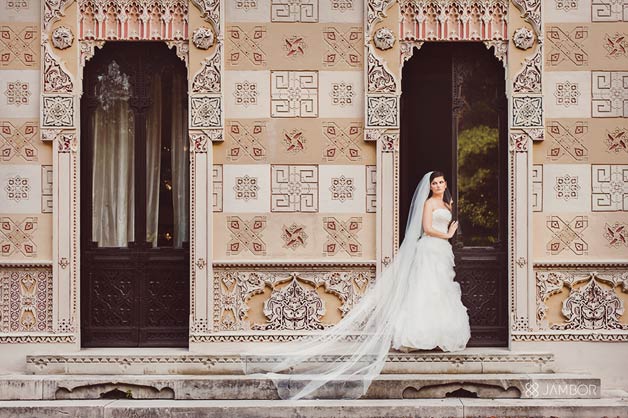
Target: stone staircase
154	382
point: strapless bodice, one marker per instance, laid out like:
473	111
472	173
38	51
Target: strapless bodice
440	220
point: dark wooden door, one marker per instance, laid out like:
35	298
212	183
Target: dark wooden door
134	288
454	119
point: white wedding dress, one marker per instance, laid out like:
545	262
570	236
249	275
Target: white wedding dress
414	303
433	314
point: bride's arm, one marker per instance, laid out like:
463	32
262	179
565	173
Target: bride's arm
427	223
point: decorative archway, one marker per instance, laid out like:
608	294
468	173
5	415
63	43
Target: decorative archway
486	22
70	33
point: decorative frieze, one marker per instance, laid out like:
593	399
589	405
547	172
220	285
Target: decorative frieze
591	302
133	20
456	20
235	286
25	300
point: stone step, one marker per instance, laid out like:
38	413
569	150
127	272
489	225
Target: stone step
435	408
259	387
159	361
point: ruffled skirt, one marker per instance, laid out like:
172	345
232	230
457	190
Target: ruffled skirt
432	314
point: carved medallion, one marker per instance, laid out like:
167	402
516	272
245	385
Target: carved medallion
203	38
62	37
384	39
523	38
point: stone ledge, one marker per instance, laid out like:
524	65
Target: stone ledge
183	362
436	408
256	387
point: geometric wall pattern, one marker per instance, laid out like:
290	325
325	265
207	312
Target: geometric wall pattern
294	152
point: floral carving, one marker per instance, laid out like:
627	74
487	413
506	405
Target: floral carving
294	140
234	289
342	188
379	78
53	10
245	93
17	188
342	94
203	38
384	39
592	307
246	188
617	140
206	112
208	80
616	234
18	93
294	46
293	236
25	300
294	308
62	37
616	45
523	38
531	11
56	79
567	187
529	78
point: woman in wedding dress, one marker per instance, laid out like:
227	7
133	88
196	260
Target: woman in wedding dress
413	304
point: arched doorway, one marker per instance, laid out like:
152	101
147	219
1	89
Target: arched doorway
454	119
134	198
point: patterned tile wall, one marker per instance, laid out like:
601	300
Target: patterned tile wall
25	161
580	182
294	178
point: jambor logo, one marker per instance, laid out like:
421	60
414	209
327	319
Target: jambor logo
553	390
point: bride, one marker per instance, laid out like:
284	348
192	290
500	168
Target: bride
414	304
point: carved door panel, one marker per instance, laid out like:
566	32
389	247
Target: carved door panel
454	119
134	198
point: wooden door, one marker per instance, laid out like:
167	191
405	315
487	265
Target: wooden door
454	119
134	271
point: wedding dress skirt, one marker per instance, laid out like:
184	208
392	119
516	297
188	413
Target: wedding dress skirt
432	314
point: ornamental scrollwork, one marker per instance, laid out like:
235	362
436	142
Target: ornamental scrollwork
528	80
294	302
587	307
379	78
208	79
56	79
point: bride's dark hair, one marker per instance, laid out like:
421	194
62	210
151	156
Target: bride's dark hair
447	198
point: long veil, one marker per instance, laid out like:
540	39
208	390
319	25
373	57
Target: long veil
342	360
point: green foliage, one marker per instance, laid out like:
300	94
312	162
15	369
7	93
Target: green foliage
477	184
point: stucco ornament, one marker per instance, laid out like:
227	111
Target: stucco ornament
523	38
203	38
384	39
62	37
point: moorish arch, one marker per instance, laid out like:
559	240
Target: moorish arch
396	30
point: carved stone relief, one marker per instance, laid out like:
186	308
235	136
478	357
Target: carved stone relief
62	37
379	78
56	78
203	38
294	302
592	303
523	38
384	39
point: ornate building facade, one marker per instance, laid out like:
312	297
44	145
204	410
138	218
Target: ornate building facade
294	118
